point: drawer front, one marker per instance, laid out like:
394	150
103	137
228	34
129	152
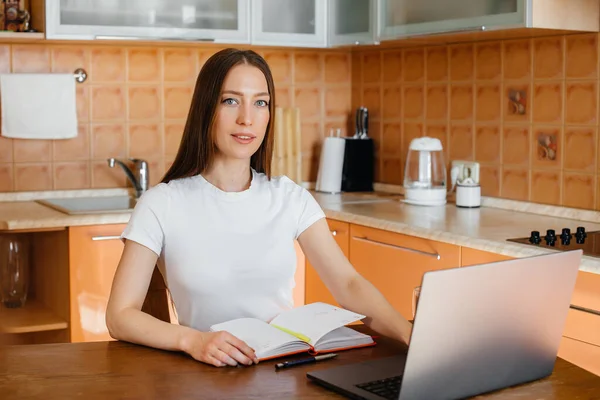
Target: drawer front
587	291
583	326
315	289
395	263
584	355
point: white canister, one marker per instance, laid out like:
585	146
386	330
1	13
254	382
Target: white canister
329	176
468	196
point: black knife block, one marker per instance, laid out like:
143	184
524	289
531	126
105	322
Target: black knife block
359	164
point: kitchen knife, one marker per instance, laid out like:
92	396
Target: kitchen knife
364	123
358	127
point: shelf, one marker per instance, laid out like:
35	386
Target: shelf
32	317
21	35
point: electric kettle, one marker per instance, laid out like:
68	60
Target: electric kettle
425	173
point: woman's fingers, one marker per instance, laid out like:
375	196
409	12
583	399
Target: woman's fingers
236	354
225	358
243	347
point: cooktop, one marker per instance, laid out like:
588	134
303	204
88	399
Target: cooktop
589	242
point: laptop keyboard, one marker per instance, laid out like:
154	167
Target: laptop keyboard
388	388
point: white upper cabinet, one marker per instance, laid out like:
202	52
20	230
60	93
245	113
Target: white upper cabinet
404	18
398	18
352	22
224	21
292	23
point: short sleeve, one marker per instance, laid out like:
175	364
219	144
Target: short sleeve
309	211
147	223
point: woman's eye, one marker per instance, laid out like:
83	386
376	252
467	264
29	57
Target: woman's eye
230	101
262	103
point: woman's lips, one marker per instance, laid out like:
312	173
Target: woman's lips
243	138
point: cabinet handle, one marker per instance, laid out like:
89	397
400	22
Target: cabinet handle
393	246
586	310
113	237
480	28
152	38
334	233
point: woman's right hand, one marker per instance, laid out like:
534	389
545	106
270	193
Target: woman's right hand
218	349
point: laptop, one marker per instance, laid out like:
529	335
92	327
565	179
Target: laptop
477	329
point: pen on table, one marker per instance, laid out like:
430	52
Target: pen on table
308	360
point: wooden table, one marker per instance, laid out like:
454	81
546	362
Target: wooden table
118	370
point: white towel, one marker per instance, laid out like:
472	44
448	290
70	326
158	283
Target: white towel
38	106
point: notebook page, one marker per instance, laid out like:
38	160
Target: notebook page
257	334
315	320
342	337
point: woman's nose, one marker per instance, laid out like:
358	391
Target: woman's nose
245	115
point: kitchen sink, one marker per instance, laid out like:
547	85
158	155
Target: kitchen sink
91	205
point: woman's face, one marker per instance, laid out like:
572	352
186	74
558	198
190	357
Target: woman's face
243	114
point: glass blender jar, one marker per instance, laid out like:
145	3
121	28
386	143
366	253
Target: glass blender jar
425	173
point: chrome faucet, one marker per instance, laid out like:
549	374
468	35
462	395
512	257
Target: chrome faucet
140	179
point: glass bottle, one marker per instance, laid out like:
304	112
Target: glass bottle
14	270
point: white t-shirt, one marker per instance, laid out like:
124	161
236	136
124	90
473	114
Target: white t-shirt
225	255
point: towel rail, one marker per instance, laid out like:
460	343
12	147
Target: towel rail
80	75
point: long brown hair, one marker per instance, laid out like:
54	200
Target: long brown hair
197	148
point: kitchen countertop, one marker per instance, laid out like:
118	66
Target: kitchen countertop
486	228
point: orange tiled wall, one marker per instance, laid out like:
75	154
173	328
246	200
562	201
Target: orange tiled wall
547	152
135	102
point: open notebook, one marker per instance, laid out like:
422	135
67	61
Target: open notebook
314	328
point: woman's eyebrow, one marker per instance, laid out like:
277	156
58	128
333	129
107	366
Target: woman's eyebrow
242	94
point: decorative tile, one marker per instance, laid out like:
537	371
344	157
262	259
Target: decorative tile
392	100
413	65
547	102
308	68
437	102
487	102
488	144
108	64
145	141
33	176
462	102
580	149
581	56
488	60
545	187
74	149
177	100
337	102
180	65
461	142
489	177
548	58
72	175
515	183
392	66
144	103
517	102
108	103
337	68
517	59
144	65
280	63
462	62
66	59
546	147
413	102
437	63
516	145
579	190
29	58
310	103
581	102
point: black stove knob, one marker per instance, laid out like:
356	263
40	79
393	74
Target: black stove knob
535	237
580	235
550	237
565	237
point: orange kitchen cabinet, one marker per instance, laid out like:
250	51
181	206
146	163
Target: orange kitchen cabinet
581	337
582	354
395	263
94	253
471	256
315	288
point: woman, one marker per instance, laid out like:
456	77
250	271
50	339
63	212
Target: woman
221	230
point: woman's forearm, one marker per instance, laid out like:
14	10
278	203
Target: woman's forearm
135	326
362	297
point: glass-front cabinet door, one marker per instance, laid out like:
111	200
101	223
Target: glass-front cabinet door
398	18
211	20
300	23
352	22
